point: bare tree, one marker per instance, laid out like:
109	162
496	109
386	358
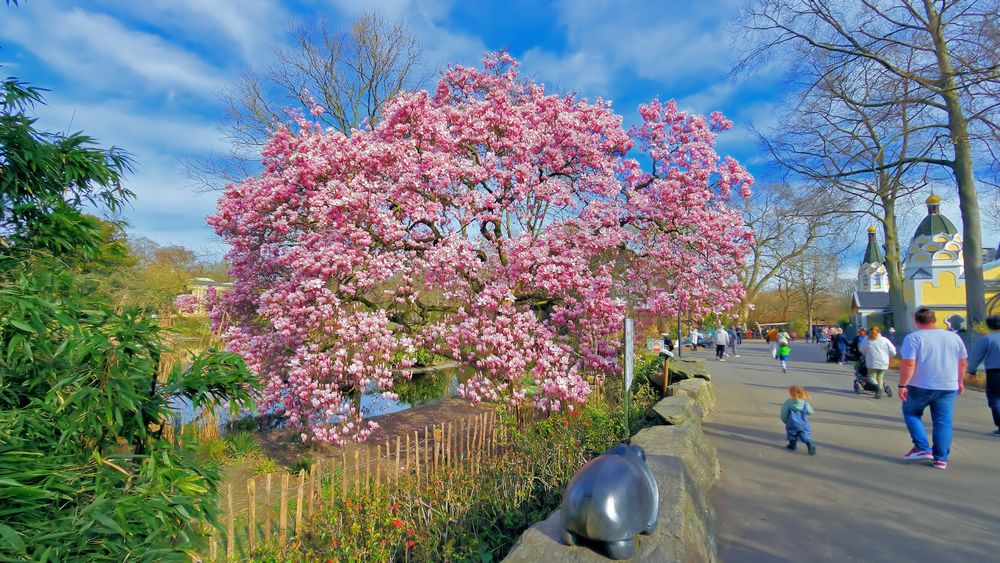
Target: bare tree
946	49
834	131
787	221
812	280
350	73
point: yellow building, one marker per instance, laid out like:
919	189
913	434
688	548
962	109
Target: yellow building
933	276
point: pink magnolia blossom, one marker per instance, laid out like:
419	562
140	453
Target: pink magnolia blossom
489	222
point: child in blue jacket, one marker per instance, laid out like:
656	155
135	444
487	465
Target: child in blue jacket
795	414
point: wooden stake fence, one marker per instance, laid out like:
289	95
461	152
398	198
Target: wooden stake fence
464	444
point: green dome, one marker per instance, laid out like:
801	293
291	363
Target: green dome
934	224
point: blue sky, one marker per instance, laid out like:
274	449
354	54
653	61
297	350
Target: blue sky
146	75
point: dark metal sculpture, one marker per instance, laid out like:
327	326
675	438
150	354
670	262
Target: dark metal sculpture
610	500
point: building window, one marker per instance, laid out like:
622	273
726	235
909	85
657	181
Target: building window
878	280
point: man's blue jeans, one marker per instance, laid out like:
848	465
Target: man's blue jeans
942	404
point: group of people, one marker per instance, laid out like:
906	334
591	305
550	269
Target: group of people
933	365
780	343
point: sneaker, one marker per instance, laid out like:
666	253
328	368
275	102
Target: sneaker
914	453
784	370
812	449
996	432
938	464
737	355
791	445
722	359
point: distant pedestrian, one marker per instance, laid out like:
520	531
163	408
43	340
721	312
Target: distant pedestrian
695	337
784	351
877	351
721	339
740	331
839	343
892	334
733	340
772	339
930	375
986	351
795	414
783	337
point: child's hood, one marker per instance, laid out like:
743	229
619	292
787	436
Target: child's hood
797	404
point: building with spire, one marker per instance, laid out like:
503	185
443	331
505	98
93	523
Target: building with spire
933	276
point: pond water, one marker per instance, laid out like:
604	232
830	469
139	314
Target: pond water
426	386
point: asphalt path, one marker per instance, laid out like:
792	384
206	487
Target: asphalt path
856	500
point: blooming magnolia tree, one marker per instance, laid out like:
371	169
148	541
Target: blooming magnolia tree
489	222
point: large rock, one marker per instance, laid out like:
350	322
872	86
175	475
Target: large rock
686	442
700	390
686	466
688	368
677	410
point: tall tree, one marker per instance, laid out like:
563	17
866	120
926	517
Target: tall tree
947	49
836	128
350	73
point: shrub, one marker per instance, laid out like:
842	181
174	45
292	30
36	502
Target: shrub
304	462
212	450
264	465
242	445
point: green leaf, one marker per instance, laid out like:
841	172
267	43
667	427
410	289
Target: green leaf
12	538
23	326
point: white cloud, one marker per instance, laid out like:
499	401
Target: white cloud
585	72
101	51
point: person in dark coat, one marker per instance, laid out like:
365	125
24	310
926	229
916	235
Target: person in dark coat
839	343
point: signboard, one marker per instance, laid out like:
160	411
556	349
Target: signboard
629	354
654	345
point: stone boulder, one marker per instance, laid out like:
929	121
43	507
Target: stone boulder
700	390
677	410
688	368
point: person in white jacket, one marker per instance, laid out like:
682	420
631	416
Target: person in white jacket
877	350
721	339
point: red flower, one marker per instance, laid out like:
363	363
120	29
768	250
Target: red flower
409	543
398	523
393	508
334	543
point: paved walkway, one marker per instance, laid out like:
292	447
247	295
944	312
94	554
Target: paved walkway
856	500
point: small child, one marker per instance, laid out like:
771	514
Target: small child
795	413
783	352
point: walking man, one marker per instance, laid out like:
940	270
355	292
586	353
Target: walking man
986	351
930	375
721	339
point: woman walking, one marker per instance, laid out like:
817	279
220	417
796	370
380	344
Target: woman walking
877	350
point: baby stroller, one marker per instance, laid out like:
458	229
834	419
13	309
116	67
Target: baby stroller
864	383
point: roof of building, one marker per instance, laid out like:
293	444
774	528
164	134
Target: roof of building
876	301
873	254
934	223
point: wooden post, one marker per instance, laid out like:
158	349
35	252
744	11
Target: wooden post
267	508
368	468
436	434
231	527
399	467
251	514
299	502
357	473
213	545
343	475
427	446
416	454
407	456
312	490
283	511
468	435
451	460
